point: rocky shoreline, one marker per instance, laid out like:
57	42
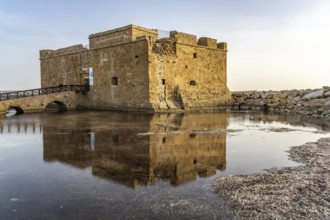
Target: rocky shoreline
301	192
315	103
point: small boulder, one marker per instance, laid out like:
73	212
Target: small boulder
326	88
293	93
327	105
297	99
240	100
317	103
263	95
314	95
283	95
256	96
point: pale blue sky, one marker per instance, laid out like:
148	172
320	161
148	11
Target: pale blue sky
273	44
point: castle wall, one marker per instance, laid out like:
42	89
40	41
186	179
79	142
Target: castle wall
120	77
127	64
140	31
191	76
135	71
63	66
115	36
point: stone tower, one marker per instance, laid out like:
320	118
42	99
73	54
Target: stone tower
131	68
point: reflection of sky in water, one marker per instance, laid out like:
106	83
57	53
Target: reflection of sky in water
94	164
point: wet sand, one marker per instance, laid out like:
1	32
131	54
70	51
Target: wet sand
301	192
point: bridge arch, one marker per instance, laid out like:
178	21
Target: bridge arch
56	106
14	110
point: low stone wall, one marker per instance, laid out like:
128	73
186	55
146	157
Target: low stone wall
310	102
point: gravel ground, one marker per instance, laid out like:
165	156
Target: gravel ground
301	192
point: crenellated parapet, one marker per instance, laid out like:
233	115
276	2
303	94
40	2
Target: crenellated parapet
44	54
136	68
183	38
189	39
207	42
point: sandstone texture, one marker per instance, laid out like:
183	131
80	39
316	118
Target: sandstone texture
134	69
309	102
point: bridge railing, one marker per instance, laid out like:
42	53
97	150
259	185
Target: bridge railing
41	91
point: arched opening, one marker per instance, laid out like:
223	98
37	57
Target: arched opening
56	106
114	81
14	110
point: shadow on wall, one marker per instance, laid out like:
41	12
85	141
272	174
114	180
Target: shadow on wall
56	106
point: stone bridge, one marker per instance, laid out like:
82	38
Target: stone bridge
64	101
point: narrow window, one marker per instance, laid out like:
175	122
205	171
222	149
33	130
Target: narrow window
192	135
163	81
186	67
115	138
114	81
194	55
193	83
136	56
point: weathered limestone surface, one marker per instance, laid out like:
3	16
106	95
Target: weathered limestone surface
39	103
133	70
314	103
186	74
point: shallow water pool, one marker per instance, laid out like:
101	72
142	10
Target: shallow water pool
112	165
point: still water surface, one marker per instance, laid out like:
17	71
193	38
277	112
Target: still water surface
111	165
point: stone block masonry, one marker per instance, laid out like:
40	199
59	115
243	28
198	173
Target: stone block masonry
315	103
135	70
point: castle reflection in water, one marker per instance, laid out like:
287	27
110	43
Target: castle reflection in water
131	149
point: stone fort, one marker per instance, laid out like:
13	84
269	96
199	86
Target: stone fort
133	68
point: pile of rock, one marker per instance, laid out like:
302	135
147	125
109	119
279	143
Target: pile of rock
315	102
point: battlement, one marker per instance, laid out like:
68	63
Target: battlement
222	45
207	42
183	38
189	39
132	33
44	54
